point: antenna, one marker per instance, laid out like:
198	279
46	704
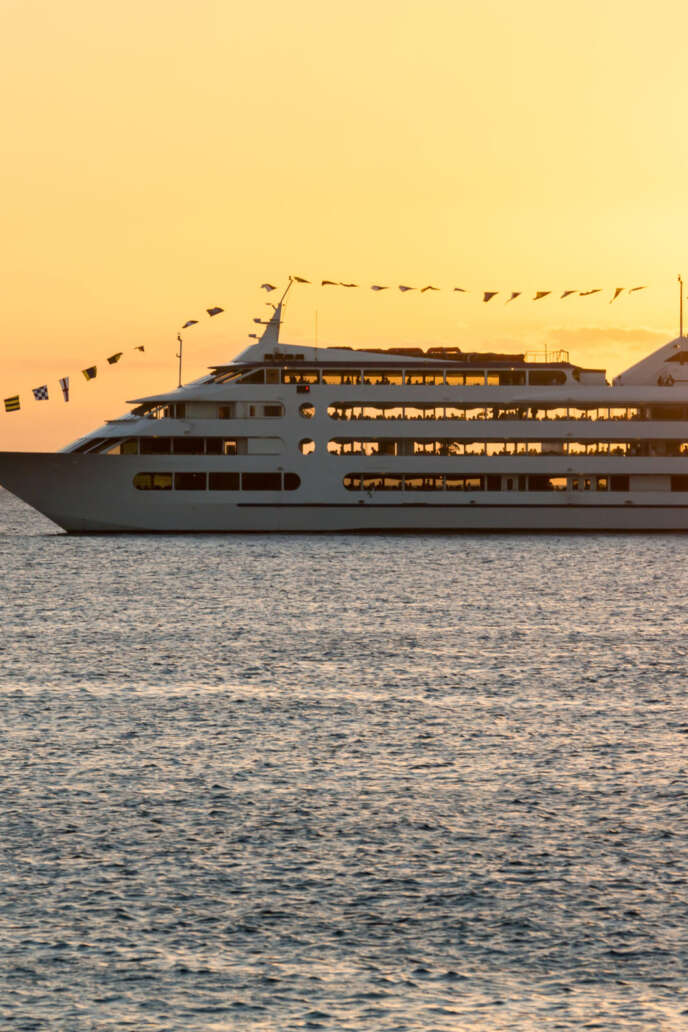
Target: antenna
680	306
179	356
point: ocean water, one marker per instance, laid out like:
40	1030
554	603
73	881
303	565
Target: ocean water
352	783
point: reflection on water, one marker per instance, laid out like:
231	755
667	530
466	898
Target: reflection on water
418	783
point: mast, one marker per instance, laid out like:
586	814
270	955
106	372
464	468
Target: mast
680	306
179	356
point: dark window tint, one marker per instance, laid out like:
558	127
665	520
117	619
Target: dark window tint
223	481
619	483
261	481
187	445
679	483
189	481
272	410
155	445
291	481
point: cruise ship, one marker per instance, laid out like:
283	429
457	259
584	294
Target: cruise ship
292	438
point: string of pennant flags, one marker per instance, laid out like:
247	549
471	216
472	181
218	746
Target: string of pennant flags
487	295
42	393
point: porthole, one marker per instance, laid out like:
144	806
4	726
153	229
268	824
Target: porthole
307	410
307	446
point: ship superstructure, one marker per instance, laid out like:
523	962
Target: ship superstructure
288	438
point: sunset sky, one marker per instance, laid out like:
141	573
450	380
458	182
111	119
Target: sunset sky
162	157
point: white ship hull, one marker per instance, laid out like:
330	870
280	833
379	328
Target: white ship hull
94	494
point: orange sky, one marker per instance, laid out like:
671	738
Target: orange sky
162	157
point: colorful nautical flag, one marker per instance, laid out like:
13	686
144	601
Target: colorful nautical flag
540	294
300	279
267	286
113	359
41	393
568	292
91	372
460	290
423	289
64	384
139	347
489	294
348	284
633	289
214	311
619	290
514	295
404	289
586	293
376	286
189	322
12	404
328	283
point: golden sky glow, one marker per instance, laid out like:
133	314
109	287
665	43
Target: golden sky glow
163	156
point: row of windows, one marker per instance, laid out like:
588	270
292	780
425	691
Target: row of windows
216	481
350	410
210	410
191	446
492	482
401	377
449	447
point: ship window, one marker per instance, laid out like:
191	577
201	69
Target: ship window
300	376
306	446
618	483
679	483
223	481
225	411
272	376
155	445
291	481
424	377
602	484
682	357
261	481
153	481
382	377
546	377
341	376
307	410
187	445
256	376
271	410
189	481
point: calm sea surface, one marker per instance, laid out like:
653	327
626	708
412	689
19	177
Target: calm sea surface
348	783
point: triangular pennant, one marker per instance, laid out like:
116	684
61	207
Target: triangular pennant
328	283
460	290
300	279
586	293
348	284
568	292
619	290
113	359
214	311
514	295
423	289
376	286
189	322
267	286
139	347
539	294
489	294
633	289
404	289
